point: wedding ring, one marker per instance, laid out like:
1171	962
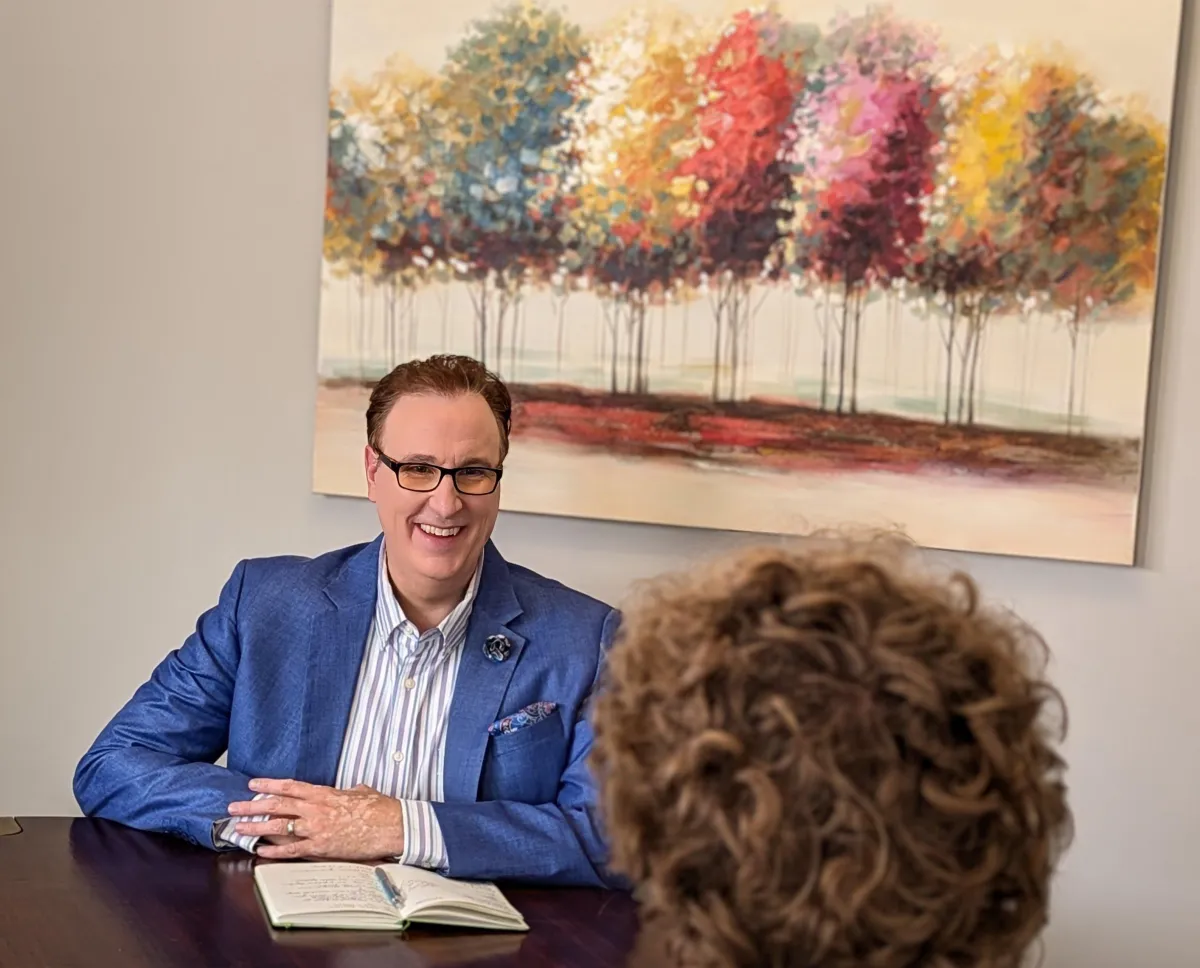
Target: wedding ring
291	828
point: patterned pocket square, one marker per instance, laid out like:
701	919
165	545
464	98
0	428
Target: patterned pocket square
535	712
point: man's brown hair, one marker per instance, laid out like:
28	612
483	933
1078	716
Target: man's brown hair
444	375
827	759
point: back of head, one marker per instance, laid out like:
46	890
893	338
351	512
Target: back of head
827	759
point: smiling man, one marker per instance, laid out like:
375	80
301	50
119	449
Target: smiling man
417	697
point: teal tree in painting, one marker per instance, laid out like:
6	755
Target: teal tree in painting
499	157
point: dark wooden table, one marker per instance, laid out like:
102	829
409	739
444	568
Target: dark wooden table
96	894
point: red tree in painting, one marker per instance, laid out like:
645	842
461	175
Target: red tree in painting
740	183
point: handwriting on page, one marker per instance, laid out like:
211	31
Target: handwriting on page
308	888
420	891
335	890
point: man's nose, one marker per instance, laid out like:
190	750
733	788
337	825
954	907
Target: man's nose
445	500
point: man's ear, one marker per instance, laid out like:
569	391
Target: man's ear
371	468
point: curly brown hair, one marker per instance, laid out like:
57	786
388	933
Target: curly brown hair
832	759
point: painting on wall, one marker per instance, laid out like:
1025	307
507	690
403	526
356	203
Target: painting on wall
770	269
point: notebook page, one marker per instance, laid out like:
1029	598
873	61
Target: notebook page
420	888
315	888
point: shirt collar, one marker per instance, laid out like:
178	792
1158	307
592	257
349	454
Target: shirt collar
389	615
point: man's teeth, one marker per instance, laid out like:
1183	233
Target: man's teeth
439	532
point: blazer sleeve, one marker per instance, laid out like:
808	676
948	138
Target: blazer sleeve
152	767
556	843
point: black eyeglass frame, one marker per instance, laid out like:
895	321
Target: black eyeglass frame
395	466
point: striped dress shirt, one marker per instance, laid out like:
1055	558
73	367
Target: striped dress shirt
395	739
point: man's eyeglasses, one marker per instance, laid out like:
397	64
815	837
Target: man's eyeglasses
415	476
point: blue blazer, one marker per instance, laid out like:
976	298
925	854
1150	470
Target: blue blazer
269	674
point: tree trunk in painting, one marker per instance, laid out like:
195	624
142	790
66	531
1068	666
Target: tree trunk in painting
519	334
444	306
481	313
716	362
391	309
842	334
1073	333
561	311
362	326
662	335
964	361
642	351
859	299
614	329
732	322
976	352
950	356
825	328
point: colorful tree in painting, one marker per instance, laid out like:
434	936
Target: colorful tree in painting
355	208
628	228
971	261
740	182
1095	180
862	149
500	129
407	235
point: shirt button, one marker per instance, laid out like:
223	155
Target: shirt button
409	683
397	756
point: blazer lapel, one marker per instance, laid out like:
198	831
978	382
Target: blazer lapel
481	683
335	649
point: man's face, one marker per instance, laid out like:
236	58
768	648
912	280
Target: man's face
437	536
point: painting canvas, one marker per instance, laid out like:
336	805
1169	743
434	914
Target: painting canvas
770	269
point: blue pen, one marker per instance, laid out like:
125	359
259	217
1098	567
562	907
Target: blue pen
386	885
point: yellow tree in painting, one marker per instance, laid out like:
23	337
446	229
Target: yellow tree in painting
970	258
396	106
355	208
628	228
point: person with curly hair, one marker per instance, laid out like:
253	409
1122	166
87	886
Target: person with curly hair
831	759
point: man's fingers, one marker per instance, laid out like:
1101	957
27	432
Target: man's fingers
273	806
283	851
276	827
288	788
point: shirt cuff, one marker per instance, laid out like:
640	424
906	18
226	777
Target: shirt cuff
424	845
224	832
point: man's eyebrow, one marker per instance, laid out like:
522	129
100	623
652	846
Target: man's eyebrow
472	461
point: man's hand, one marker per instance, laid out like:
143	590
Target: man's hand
358	824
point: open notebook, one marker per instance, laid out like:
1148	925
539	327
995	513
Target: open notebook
383	898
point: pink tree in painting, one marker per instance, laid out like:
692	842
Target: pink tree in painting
862	148
740	184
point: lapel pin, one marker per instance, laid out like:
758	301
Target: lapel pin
497	648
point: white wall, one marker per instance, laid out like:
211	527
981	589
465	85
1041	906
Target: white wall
161	172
